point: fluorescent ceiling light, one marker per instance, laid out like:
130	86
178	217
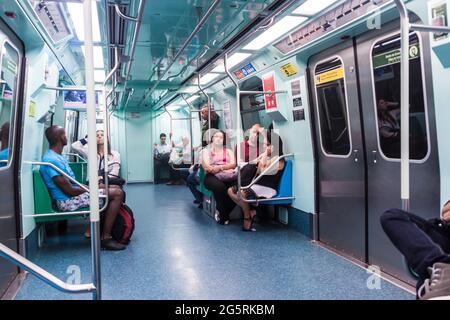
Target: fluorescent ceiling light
232	61
208	78
99	75
77	15
273	33
190	89
192	99
98	57
174	107
311	8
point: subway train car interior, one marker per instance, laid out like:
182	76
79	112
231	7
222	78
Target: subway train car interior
224	150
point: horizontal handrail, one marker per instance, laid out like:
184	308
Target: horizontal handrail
3	161
60	214
263	92
38	163
179	169
269	200
45	276
266	170
425	28
182	119
76	155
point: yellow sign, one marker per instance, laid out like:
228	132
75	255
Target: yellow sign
289	69
32	110
330	76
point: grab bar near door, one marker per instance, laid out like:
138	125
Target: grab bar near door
45	276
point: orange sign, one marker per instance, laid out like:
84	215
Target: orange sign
269	85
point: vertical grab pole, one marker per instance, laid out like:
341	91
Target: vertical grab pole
404	87
170	116
209	105
190	128
238	122
106	122
92	151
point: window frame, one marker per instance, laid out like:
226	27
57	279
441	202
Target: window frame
346	156
14	105
425	97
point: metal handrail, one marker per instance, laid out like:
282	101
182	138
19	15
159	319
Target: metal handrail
170	116
424	28
239	123
45	276
191	110
124	16
405	28
59	214
260	177
135	36
75	155
264	92
185	44
264	173
40	163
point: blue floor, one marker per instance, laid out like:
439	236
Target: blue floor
178	252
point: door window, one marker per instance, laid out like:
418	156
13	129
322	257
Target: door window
386	76
8	86
332	108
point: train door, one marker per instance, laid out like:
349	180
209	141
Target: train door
379	61
341	169
358	162
10	67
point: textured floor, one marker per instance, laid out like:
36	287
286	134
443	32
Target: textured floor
178	252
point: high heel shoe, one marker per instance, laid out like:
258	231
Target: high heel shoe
250	229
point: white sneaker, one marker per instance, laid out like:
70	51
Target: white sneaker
217	216
438	286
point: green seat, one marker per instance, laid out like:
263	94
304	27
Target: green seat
201	187
79	169
43	201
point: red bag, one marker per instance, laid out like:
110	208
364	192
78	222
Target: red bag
123	227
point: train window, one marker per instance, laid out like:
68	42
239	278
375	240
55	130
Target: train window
332	108
8	84
386	72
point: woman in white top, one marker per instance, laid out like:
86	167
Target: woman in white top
81	147
180	170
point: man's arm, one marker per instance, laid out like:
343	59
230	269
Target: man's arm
64	184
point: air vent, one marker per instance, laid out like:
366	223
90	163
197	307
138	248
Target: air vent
335	18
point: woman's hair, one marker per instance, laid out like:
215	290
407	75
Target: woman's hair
223	134
109	143
275	140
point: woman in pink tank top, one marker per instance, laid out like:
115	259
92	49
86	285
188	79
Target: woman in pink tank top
219	162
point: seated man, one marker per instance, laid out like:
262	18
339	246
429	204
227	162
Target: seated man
161	155
67	195
426	247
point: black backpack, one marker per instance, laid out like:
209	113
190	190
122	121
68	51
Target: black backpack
123	227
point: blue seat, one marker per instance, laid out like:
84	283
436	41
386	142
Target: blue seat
285	188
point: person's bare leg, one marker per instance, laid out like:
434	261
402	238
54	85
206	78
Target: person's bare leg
115	201
247	216
244	206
